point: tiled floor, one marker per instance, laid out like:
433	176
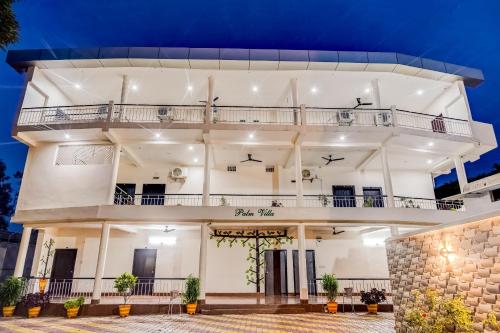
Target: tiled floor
262	323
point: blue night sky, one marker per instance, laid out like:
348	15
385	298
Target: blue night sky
458	31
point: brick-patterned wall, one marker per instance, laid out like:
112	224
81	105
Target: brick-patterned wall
473	270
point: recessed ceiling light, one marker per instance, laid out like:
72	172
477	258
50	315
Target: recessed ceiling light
195	160
67	136
190	147
190	88
314	90
255	89
135	87
429	161
251	136
342	137
430	144
420	92
367	90
157	135
78	86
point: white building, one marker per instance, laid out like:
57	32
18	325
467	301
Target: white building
341	149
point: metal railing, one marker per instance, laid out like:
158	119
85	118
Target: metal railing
158	199
142	113
146	289
422	203
253	200
255	115
367	201
63	115
318	295
432	123
348	117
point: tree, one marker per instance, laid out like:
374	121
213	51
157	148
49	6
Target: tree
9	27
6	207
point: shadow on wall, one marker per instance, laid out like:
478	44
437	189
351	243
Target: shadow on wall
9	246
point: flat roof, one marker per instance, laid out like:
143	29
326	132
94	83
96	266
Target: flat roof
20	60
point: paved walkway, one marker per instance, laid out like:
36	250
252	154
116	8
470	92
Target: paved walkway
262	323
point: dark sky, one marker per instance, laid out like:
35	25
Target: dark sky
463	32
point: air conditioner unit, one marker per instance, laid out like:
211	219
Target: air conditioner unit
346	117
178	173
306	173
166	113
383	119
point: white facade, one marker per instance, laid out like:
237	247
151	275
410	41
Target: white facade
95	123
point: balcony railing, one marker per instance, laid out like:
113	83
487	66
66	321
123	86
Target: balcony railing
158	199
255	115
195	114
252	200
136	113
63	115
349	290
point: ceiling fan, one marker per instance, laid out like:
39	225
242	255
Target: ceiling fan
250	159
167	230
329	159
337	232
360	103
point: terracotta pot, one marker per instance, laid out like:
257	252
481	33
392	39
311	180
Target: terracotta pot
72	313
372	308
34	312
124	310
8	311
191	309
332	307
42	283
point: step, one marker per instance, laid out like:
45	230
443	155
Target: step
218	309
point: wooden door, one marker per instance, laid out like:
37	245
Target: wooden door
144	268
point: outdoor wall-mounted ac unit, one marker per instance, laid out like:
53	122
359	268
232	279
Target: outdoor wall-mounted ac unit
178	173
383	119
346	117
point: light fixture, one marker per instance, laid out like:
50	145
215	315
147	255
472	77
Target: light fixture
77	86
430	144
67	136
195	160
429	161
162	240
251	136
135	87
342	137
255	89
447	254
314	90
157	135
190	147
420	92
367	91
190	88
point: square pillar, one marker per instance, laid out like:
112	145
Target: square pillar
387	177
23	249
304	291
461	175
101	263
202	271
298	176
206	175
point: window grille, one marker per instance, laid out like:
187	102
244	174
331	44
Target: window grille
85	155
231	168
270	169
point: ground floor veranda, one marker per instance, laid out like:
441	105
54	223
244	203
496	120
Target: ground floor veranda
291	261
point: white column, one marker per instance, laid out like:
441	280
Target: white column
125	90
114	174
461	175
23	249
301	234
376	93
394	231
38	252
202	271
101	263
206	175
463	92
295	100
210	99
387	177
298	176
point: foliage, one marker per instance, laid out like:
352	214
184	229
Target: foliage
368	202
125	284
409	203
373	296
331	286
33	300
222	201
491	322
190	296
74	303
6	200
45	271
11	290
431	313
325	202
9	27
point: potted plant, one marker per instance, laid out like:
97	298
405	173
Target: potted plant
34	303
10	293
190	296
45	271
125	284
368	202
72	306
223	201
330	286
372	298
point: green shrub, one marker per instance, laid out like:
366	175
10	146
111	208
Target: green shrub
74	303
190	296
125	284
330	286
11	290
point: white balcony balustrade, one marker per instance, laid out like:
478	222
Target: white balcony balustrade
251	200
254	115
158	199
63	115
128	113
349	291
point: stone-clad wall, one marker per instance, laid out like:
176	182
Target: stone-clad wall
473	267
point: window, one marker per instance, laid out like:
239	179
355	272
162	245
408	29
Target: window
231	168
344	196
85	154
125	194
270	169
495	195
372	197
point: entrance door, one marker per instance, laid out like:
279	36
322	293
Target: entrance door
144	268
344	196
63	269
373	197
276	275
311	272
153	194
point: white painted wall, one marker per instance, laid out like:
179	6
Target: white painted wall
34	99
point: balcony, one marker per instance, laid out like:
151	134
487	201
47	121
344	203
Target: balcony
271	201
45	117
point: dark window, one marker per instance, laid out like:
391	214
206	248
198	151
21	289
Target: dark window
124	194
231	168
372	197
344	196
153	194
495	195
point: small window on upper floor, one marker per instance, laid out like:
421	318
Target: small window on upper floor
495	195
84	154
